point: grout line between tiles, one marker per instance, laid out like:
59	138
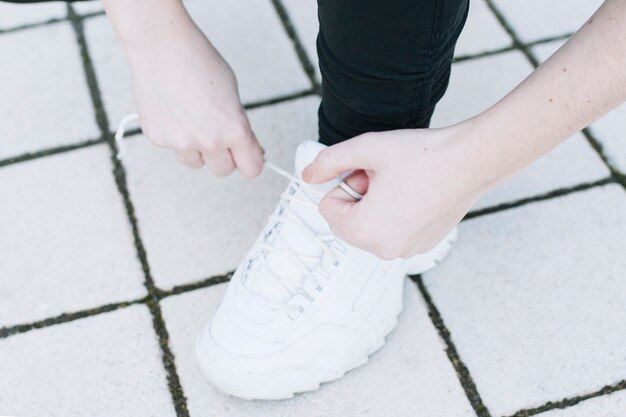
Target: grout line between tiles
560	192
463	374
280	99
133	132
9	331
569	402
29	156
155	294
525	49
66	318
512	47
616	176
35	25
303	57
173	380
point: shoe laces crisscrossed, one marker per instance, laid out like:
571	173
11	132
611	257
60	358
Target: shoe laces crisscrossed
293	259
296	252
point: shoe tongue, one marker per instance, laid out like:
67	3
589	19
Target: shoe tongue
294	236
305	154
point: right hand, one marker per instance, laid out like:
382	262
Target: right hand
188	102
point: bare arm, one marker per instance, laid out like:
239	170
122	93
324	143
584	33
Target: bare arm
419	184
186	93
582	81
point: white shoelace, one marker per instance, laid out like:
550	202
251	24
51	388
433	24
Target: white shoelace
314	269
314	273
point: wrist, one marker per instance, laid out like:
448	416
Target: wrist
479	148
140	27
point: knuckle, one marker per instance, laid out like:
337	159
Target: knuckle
240	133
209	145
185	146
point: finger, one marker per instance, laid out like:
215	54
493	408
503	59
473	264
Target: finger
351	154
248	156
192	159
220	163
358	181
346	216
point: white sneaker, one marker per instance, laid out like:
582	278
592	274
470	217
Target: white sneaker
303	307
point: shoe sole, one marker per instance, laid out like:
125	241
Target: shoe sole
285	383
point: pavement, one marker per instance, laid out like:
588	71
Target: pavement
108	269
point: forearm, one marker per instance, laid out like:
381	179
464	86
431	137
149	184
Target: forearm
141	25
582	81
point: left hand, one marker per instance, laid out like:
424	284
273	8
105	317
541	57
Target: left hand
417	185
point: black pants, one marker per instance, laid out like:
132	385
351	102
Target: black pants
385	63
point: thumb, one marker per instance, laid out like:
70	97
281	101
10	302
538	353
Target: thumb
339	208
355	153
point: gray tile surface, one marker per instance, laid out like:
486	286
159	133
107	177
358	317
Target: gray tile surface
536	19
534	299
609	130
65	243
13	15
482	32
533	296
108	366
248	35
211	222
606	406
49	101
87	7
303	14
476	85
410	373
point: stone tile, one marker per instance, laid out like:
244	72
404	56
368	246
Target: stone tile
87	7
533	298
544	50
13	15
537	19
571	163
610	130
66	244
412	371
482	31
107	365
50	103
253	40
303	15
612	405
249	35
111	67
195	225
478	84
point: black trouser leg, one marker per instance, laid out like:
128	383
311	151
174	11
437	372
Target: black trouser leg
384	63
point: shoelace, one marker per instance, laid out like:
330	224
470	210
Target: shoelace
313	268
315	274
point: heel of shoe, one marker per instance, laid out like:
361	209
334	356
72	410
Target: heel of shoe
423	262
